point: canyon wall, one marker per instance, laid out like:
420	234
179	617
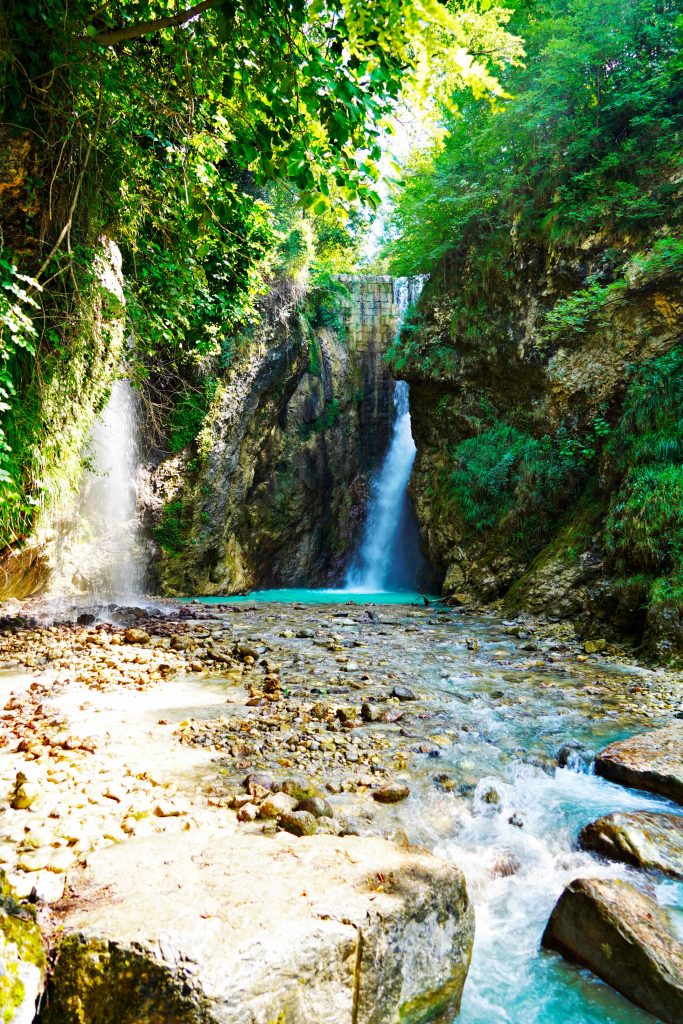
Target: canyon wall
273	491
548	474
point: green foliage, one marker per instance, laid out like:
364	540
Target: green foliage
189	409
644	529
17	333
171	532
589	144
508	479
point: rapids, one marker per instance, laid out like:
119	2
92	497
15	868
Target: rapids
500	715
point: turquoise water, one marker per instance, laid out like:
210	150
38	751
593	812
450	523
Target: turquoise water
504	714
308	596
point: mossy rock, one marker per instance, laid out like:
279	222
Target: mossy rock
22	958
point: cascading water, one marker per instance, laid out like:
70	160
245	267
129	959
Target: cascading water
389	555
109	497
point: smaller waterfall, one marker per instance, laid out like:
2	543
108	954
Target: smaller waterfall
109	497
389	556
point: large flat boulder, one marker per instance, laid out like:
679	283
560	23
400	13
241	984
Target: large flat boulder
645	839
625	938
652	761
258	930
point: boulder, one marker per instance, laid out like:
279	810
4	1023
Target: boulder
625	938
22	959
645	839
249	929
652	761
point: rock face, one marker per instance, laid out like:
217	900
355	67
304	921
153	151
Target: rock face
652	761
506	513
300	422
643	838
22	959
623	937
256	930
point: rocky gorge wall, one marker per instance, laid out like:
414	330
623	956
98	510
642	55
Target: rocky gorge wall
547	476
274	491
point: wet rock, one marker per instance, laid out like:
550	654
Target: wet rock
25	793
505	865
402	693
645	839
392	793
298	823
651	761
569	754
625	938
313	936
22	959
317	806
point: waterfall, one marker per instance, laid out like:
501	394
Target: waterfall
388	557
109	497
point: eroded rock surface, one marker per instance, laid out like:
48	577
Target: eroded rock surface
652	761
250	930
624	937
643	838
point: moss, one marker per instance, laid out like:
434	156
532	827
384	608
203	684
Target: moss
438	1006
97	981
20	941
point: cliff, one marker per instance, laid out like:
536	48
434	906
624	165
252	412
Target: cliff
273	491
547	421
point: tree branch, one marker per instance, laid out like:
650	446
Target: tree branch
146	28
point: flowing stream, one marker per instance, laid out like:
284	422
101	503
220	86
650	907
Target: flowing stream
388	558
499	710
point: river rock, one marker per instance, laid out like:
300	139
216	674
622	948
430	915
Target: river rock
317	806
391	794
22	959
298	823
643	838
625	938
403	693
277	804
651	761
262	930
298	787
136	636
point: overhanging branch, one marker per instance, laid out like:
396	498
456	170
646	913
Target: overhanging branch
146	28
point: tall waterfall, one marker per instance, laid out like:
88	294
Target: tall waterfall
109	496
388	557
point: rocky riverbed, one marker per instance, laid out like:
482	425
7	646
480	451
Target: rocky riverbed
150	726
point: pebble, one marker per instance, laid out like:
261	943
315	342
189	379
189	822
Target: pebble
391	794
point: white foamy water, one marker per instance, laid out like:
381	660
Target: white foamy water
109	497
380	553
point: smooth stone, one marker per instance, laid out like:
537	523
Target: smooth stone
391	794
298	787
258	782
317	806
298	823
651	761
310	935
595	646
645	839
277	804
625	938
403	693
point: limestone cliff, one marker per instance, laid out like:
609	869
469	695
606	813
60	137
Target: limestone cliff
527	484
274	491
